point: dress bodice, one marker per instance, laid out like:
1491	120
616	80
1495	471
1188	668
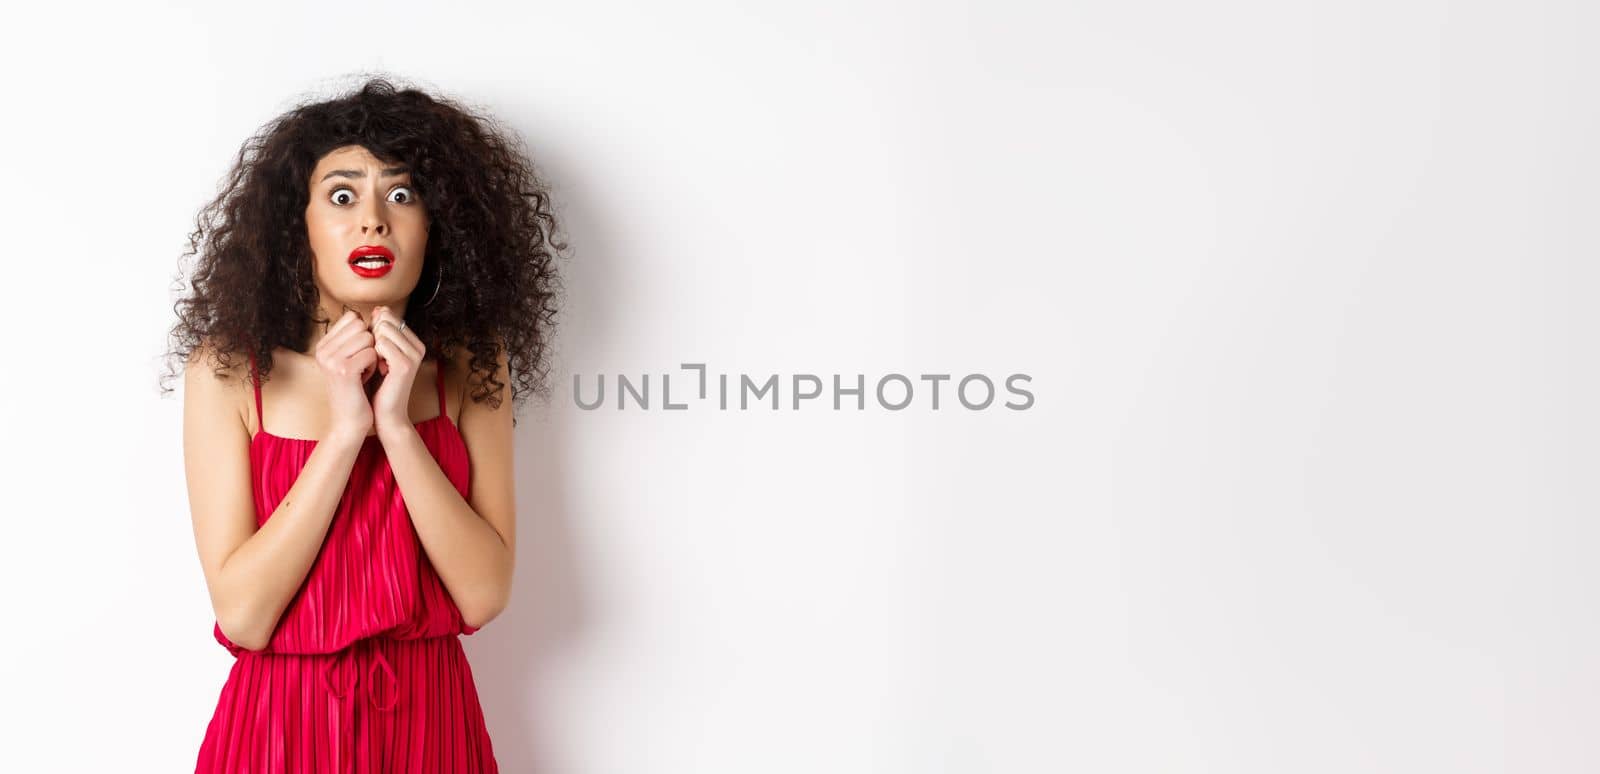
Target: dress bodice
371	577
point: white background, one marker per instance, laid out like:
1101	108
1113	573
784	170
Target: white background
1302	287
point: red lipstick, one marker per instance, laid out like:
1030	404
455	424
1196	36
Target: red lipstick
377	260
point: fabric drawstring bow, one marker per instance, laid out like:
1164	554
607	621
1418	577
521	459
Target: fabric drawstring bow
355	677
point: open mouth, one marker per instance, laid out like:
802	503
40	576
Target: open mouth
371	260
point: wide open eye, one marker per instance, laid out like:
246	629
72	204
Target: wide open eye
406	194
334	197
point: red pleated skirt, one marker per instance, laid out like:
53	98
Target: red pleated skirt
381	705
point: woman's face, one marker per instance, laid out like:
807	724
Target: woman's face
360	202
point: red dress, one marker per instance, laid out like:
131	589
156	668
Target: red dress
365	671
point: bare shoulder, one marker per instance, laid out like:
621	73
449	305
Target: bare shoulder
464	382
214	391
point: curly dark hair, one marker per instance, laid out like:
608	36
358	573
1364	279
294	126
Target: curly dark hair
491	227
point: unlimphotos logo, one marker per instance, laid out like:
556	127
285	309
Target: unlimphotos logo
894	392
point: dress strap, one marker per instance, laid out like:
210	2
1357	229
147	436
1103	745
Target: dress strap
255	381
440	379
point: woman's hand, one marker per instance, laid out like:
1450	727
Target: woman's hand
400	357
346	357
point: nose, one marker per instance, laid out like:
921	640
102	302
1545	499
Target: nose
373	220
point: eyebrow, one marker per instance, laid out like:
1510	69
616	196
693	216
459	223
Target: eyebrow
355	174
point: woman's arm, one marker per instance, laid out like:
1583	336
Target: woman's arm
251	573
471	544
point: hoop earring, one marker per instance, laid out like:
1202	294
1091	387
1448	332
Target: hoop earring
436	285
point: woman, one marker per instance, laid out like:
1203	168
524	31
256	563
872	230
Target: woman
388	254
